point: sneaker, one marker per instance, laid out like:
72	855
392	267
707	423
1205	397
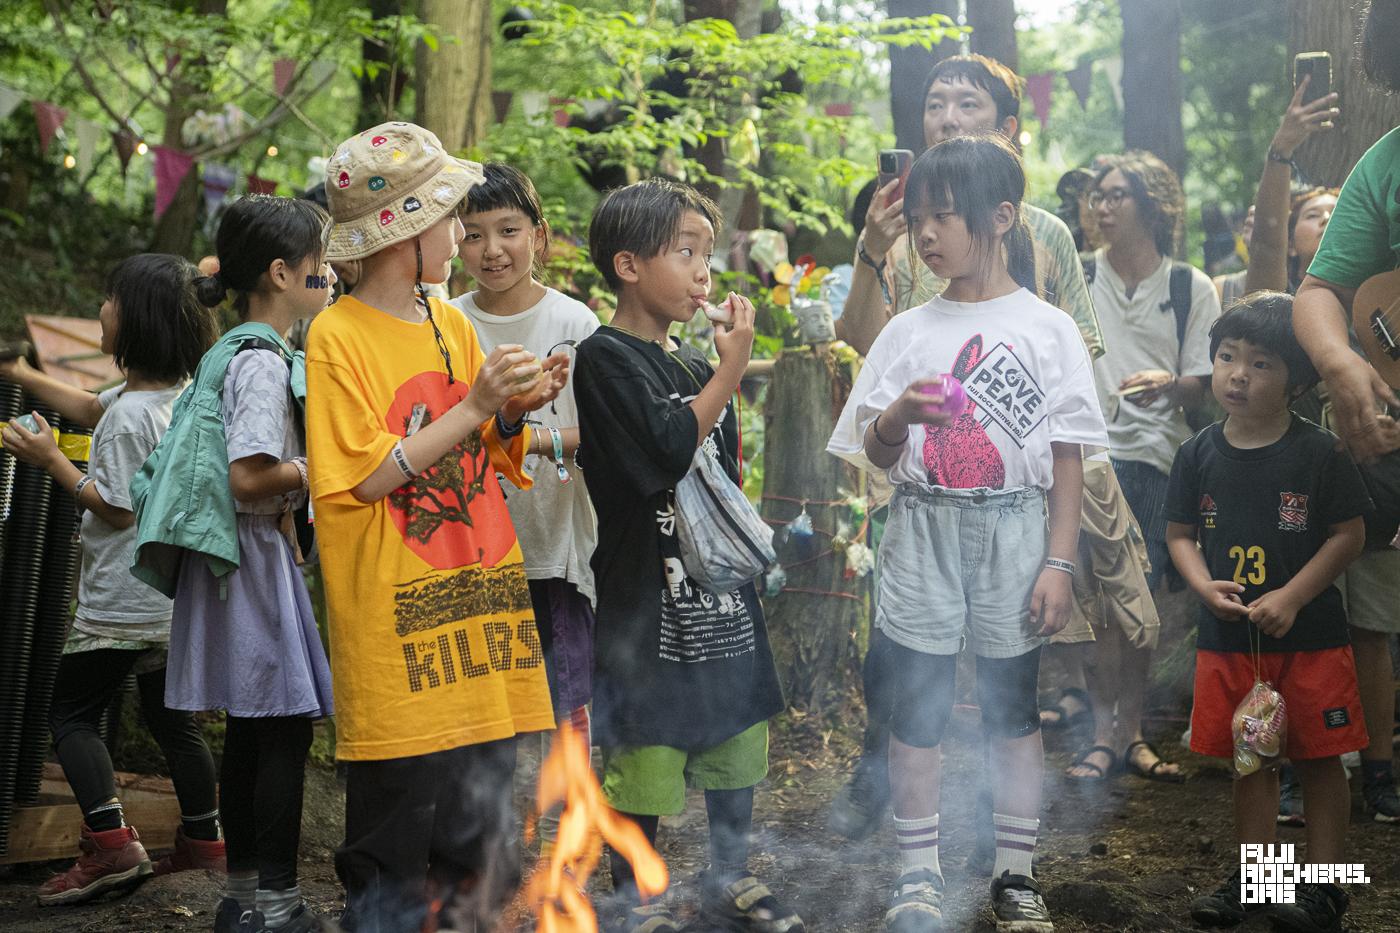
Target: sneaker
746	904
917	906
112	860
1290	799
1222	908
861	805
227	915
301	920
1019	906
1382	803
193	855
1316	908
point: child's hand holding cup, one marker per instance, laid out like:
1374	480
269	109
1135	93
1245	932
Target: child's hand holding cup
733	319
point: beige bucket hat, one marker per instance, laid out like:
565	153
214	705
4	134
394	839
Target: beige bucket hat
389	184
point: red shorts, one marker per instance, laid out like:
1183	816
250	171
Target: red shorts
1319	695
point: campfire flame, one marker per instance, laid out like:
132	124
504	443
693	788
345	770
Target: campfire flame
555	894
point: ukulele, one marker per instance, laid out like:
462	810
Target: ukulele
1375	318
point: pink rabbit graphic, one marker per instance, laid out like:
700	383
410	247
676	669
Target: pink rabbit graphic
961	455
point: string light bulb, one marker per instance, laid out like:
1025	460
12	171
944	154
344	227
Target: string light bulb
142	148
69	161
272	151
1025	137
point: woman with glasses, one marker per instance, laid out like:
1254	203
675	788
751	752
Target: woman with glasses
1155	316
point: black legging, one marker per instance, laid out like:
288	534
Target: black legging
87	682
260	792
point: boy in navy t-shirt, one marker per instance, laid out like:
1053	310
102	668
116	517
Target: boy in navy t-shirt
1264	511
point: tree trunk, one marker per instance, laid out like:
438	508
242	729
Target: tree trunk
909	67
816	622
379	93
1367	113
454	82
174	230
993	25
1152	80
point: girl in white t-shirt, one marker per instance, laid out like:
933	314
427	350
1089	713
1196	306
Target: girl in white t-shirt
968	551
506	237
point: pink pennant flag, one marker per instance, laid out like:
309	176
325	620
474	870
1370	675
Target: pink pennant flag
258	185
282	71
172	166
50	118
1038	87
839	110
561	113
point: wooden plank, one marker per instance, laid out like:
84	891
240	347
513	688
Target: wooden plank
49	829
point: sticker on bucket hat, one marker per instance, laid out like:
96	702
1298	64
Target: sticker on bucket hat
444	194
376	182
400	155
342	157
344	180
379	141
357	237
411	204
429	150
386	217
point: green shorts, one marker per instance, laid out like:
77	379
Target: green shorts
650	780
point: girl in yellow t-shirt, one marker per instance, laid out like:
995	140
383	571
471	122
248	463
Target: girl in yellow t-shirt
434	650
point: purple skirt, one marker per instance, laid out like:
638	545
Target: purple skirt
247	643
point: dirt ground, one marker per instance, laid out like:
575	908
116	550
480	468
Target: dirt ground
1128	857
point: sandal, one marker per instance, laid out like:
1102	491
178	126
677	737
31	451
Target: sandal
746	904
1082	761
1064	719
1155	772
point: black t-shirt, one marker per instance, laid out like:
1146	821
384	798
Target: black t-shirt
675	665
1260	516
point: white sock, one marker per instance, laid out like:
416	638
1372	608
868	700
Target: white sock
241	886
277	906
1015	844
918	844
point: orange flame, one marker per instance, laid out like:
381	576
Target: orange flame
555	894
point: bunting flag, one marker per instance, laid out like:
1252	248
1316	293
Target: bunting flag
533	103
1081	79
258	185
50	118
172	166
88	134
500	103
282	71
1039	87
9	100
124	142
219	179
839	110
1113	67
561	113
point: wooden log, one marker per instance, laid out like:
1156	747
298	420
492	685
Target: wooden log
49	829
819	620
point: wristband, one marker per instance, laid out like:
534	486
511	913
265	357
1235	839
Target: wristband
875	427
1054	563
879	268
78	491
1276	156
300	464
401	461
507	431
558	440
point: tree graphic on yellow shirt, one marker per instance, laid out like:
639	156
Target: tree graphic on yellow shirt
442	493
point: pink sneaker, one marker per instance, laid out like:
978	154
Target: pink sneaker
193	855
113	860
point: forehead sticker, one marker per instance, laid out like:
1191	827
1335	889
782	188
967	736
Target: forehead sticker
400	155
379	141
376	182
344	180
386	217
411	204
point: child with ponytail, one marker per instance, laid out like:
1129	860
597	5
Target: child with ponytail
968	550
156	330
215	507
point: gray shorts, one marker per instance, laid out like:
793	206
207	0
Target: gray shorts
961	561
1371	591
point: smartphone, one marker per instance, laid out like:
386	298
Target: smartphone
894	163
1318	66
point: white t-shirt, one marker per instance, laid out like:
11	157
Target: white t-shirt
1140	333
1028	380
111	602
554	521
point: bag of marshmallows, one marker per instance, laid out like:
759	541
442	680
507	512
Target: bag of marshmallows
1259	727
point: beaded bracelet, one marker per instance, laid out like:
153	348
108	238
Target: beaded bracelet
507	431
